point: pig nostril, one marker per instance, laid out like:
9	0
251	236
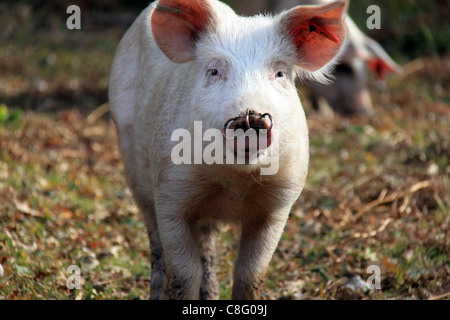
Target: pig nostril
270	119
227	126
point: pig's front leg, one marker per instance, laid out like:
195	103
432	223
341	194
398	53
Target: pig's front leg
206	238
158	269
259	240
158	280
183	264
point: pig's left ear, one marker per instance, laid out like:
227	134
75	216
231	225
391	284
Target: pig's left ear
177	24
318	33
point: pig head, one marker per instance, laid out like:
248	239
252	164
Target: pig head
348	93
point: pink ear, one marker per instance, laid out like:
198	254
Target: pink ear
318	32
380	67
176	24
379	62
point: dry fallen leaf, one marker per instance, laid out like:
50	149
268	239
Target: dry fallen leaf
25	208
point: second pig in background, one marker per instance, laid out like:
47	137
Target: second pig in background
348	94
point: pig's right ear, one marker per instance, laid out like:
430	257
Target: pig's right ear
177	24
317	32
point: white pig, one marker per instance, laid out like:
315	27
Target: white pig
197	61
348	94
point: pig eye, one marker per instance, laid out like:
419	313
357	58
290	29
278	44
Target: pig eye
280	74
213	72
214	75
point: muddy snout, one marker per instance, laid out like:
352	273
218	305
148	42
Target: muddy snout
254	134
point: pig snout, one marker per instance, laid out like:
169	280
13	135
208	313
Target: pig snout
247	121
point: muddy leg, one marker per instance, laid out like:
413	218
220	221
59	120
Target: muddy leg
206	238
258	242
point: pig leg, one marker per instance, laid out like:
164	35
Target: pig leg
158	281
183	265
259	240
206	238
158	268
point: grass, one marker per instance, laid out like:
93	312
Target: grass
378	189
